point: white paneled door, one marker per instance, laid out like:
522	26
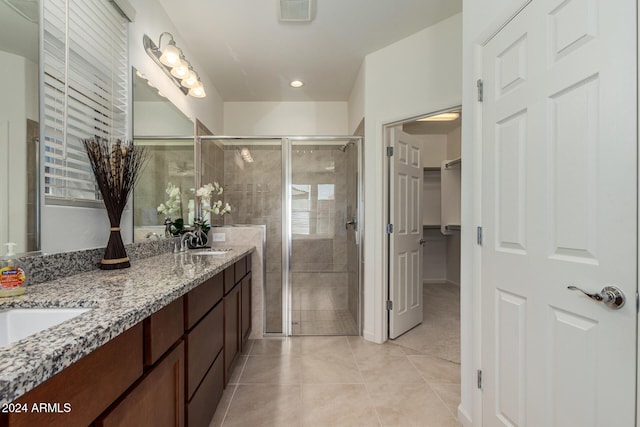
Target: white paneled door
405	269
559	200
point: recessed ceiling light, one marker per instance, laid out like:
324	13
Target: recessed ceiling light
444	117
296	83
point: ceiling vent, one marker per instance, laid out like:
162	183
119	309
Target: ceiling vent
296	10
28	9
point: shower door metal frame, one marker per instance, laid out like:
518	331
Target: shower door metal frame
286	144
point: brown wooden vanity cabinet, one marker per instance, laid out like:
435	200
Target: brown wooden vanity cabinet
231	331
204	338
156	400
237	312
245	318
168	370
162	330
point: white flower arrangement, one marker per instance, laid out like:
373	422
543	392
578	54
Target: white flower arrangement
206	193
173	206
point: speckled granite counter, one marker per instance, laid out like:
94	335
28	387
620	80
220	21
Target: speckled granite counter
119	299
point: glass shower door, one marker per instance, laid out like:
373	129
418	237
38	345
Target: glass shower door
252	172
323	264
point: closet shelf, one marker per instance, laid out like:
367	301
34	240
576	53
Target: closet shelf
432	169
431	226
453	162
452	227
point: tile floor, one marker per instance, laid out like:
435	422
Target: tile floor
341	381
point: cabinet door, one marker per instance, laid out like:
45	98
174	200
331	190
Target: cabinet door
231	330
156	400
88	386
245	315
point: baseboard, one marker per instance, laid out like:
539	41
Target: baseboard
369	336
463	417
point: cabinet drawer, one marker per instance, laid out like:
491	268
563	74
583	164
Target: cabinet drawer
240	269
157	400
231	330
90	385
200	300
203	405
229	278
245	316
203	343
161	330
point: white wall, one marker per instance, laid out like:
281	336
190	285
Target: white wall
415	76
65	228
479	18
160	119
285	118
356	101
434	150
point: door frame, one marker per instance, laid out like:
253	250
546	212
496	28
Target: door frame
386	203
471	327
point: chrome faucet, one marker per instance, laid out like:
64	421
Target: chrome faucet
188	234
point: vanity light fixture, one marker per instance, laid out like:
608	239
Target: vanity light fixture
296	83
172	61
443	117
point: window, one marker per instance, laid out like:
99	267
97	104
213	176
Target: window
300	208
313	209
86	90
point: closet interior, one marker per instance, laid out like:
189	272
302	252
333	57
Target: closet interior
442	162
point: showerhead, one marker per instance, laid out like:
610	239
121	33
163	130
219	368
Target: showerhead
347	145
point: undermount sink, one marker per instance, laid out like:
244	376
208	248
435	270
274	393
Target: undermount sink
211	251
19	323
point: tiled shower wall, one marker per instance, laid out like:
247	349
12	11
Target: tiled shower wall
254	191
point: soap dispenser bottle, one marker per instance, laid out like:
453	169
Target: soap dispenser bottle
13	277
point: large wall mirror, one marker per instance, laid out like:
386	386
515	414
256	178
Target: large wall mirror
19	123
168	135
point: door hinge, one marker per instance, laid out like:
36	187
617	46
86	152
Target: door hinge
389	151
637	302
479	236
389	228
480	379
389	305
480	85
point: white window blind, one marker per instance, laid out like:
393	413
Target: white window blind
86	90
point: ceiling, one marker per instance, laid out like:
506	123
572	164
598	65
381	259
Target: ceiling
250	56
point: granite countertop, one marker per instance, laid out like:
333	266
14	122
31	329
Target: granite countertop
119	299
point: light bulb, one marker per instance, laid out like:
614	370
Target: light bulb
197	91
442	117
170	55
181	69
190	80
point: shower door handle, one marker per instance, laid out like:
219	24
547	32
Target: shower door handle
353	221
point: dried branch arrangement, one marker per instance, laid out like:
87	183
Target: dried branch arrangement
117	167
